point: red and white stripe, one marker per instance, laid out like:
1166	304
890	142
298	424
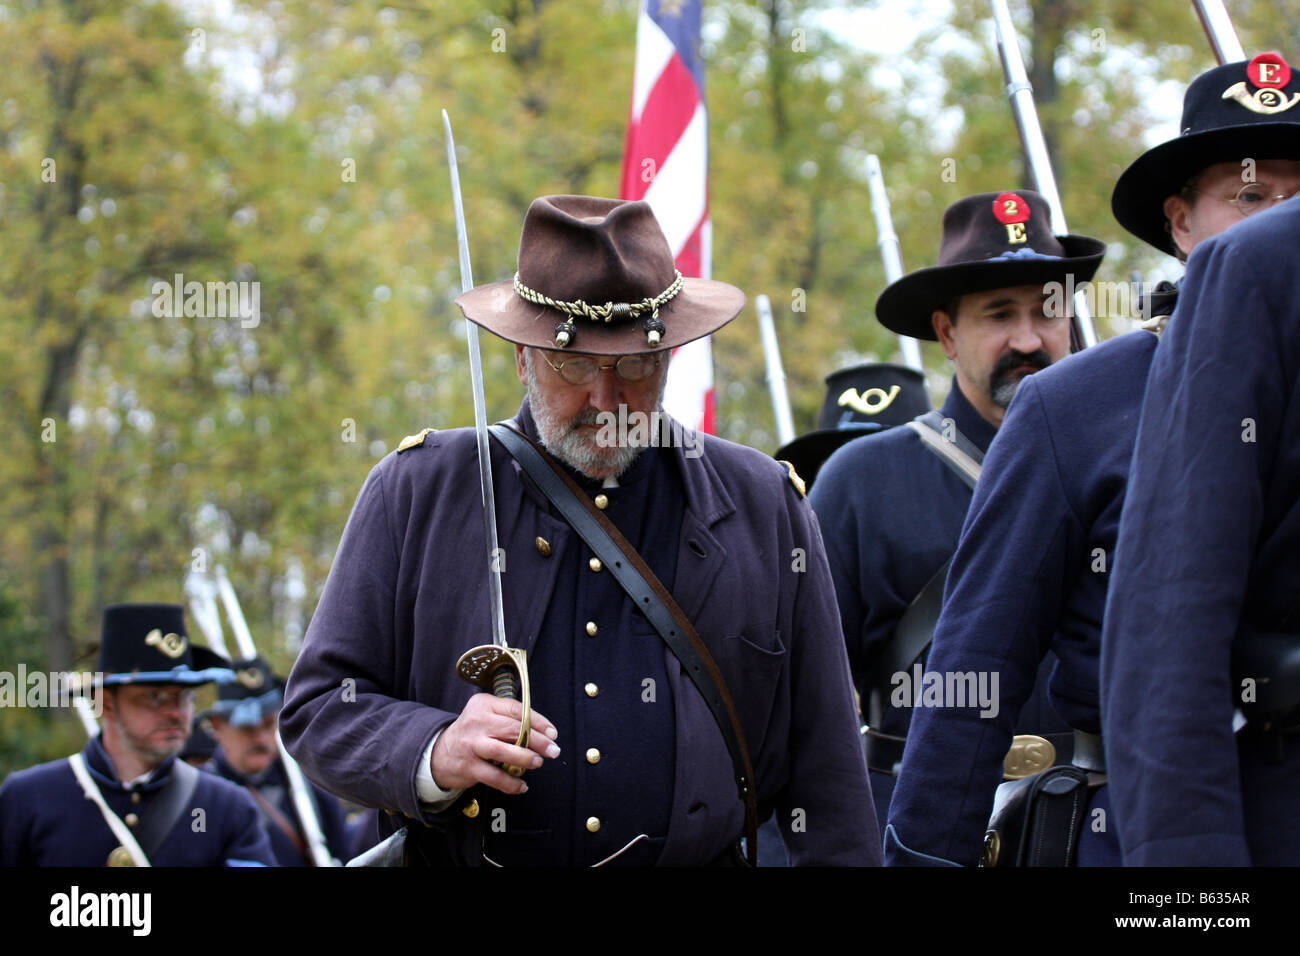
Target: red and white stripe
665	162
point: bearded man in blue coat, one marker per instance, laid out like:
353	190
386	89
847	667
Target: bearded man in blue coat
625	764
126	800
891	507
1038	549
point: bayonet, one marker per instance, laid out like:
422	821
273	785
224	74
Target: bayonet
775	373
299	789
890	250
1037	159
1219	30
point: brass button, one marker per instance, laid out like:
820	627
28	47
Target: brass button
602	502
595	564
591	629
593	824
593	755
471	808
592	690
135	797
543	547
131	819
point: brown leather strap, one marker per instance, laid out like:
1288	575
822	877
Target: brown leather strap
281	823
711	678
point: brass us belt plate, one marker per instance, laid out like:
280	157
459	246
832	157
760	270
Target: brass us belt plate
1029	754
992	849
120	856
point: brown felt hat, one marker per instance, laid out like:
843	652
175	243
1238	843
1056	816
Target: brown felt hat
597	275
989	241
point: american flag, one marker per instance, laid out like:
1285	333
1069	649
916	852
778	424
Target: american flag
665	163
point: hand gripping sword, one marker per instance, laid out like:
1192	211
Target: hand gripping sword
495	666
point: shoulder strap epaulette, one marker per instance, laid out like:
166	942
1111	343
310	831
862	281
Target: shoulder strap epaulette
795	480
416	440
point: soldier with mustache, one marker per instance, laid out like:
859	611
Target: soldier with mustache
891	505
244	721
1038	551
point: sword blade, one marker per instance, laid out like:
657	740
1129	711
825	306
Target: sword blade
480	408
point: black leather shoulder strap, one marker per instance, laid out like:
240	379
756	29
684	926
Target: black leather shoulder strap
651	598
912	635
167	807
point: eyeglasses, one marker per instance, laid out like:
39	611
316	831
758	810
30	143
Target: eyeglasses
580	370
1253	197
158	699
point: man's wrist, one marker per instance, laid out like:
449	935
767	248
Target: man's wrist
427	788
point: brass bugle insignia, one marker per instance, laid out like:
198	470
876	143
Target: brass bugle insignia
871	402
173	645
1266	101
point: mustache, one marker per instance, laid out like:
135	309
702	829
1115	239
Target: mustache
588	416
1013	360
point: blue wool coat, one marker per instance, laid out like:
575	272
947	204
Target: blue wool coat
406	596
1029	576
271	785
1209	545
891	512
46	820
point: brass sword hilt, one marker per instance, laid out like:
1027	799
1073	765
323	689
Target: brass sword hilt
504	672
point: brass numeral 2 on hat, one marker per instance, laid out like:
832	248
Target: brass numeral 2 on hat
504	671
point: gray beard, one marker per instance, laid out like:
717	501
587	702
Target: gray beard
1004	391
562	439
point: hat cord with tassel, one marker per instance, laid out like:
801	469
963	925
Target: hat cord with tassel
565	332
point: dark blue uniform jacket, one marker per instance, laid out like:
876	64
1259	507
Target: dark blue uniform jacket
407	595
891	512
1029	577
46	820
271	785
1209	545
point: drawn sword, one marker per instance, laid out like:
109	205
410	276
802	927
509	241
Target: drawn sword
496	666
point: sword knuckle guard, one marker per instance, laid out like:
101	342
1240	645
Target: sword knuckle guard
504	672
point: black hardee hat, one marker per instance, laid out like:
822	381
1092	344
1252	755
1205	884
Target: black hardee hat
859	400
1238	110
990	241
254	693
147	644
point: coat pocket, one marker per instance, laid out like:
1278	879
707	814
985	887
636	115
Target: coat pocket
752	663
